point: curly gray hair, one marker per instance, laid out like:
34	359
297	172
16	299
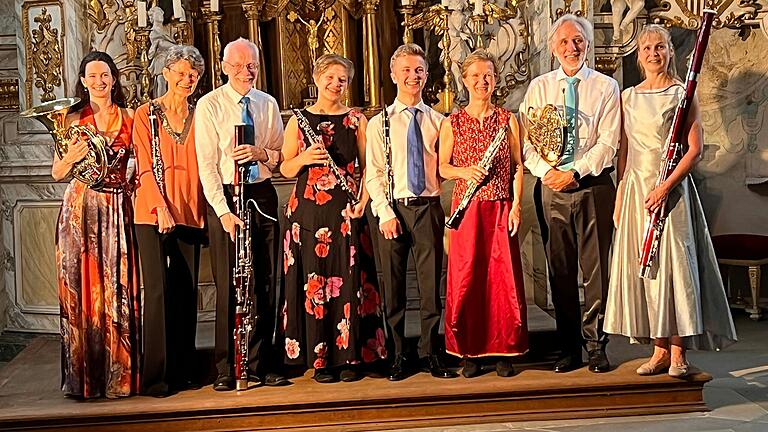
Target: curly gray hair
189	53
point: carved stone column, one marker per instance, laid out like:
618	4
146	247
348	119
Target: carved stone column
371	71
213	46
252	9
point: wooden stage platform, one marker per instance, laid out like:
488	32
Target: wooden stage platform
30	400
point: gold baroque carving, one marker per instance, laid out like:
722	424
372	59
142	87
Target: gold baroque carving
9	94
687	13
46	56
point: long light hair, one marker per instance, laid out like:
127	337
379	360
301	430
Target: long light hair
664	33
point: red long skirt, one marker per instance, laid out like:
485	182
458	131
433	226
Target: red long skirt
485	312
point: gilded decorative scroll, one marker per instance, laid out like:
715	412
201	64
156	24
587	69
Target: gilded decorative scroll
730	13
9	94
294	72
42	51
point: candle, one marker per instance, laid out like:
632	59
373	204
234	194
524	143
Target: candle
214	5
478	7
141	13
178	11
444	3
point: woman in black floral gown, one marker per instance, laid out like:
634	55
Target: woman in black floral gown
332	315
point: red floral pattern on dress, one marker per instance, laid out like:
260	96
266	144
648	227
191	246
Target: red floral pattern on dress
296	233
375	348
287	253
293	203
292	348
321	350
342	340
352	120
470	143
370	301
323	236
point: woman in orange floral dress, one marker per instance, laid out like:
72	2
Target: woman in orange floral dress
95	248
332	316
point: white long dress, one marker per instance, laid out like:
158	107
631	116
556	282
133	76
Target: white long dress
686	297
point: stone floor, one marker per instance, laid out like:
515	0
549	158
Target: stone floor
737	396
12	343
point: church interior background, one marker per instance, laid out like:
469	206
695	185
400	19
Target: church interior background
42	42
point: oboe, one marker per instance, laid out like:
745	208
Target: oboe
313	138
158	167
472	187
673	148
390	192
242	274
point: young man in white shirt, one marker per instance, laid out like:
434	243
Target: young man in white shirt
575	198
413	221
217	113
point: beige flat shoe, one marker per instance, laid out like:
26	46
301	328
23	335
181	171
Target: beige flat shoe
679	371
649	368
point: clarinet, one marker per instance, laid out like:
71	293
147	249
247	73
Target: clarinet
158	167
313	138
242	274
673	149
389	192
472	187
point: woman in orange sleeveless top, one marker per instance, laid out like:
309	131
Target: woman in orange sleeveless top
485	301
98	281
170	214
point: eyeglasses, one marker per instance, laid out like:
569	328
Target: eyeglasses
252	67
194	76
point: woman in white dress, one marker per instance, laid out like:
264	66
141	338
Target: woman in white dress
684	305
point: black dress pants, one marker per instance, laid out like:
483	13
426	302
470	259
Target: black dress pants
422	224
262	356
169	265
577	229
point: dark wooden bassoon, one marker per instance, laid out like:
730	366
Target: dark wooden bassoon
673	149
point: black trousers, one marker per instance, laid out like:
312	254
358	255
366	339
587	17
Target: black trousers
422	226
577	229
169	265
264	232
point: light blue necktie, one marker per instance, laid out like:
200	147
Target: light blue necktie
416	182
252	171
571	117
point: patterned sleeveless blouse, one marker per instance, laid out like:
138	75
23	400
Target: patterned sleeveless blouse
116	176
471	142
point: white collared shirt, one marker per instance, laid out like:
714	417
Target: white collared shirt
599	118
376	172
216	115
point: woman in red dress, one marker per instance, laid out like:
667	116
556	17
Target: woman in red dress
485	301
98	279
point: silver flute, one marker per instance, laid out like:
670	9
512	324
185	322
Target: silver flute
473	187
313	138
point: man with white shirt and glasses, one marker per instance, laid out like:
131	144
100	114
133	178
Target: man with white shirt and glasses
413	221
237	102
575	198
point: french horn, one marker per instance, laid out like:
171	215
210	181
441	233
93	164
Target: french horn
93	168
546	132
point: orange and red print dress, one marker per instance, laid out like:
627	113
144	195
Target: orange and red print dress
98	280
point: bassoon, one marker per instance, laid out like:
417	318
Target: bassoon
673	148
242	273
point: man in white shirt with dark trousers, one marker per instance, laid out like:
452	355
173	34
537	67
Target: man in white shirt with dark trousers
575	198
414	221
217	113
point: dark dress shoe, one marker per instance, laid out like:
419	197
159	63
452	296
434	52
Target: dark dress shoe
504	368
275	380
224	383
471	368
349	375
158	390
434	366
324	376
399	370
254	379
598	361
568	362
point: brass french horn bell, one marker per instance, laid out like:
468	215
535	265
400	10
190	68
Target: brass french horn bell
92	169
546	133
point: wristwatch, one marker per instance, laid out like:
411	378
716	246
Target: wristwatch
576	175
